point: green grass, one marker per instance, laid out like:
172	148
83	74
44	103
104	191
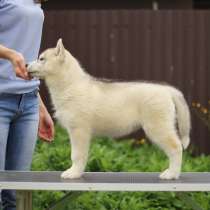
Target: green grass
111	155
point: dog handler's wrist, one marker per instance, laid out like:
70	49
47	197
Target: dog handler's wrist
42	107
10	54
15	57
7	53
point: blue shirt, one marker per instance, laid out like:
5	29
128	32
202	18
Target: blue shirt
21	23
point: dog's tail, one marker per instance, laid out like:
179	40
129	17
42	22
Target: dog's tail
183	116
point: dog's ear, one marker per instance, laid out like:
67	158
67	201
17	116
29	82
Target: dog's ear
60	50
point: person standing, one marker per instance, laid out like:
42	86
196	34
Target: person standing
23	115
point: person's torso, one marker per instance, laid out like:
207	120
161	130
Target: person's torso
21	24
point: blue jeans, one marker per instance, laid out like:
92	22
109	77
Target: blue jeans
19	118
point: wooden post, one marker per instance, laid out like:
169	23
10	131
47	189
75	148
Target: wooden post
24	200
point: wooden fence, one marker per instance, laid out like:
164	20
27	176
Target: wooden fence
169	46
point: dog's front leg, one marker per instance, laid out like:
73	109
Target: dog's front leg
80	142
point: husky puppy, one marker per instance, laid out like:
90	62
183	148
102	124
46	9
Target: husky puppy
89	107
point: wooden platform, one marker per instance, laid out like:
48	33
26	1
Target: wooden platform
104	181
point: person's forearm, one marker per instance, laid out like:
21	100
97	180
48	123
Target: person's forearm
17	61
5	52
42	107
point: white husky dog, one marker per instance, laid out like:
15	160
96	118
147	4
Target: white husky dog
89	107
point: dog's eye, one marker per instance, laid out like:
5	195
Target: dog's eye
41	59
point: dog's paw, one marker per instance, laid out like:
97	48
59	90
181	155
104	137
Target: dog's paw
169	174
71	174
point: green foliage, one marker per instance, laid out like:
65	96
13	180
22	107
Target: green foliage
202	112
112	155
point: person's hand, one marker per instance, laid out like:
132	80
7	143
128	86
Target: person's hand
46	125
19	64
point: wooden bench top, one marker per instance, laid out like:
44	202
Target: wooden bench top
103	181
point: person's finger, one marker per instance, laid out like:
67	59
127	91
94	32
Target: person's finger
53	131
49	133
51	128
45	134
21	73
45	139
23	69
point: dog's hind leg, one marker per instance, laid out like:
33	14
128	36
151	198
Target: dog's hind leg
167	139
80	142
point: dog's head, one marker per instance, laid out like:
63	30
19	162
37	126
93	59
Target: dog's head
50	62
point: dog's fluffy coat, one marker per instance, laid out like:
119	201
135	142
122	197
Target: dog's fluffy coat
88	107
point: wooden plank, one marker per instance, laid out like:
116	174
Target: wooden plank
104	181
24	200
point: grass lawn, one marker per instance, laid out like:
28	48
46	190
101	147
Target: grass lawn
111	155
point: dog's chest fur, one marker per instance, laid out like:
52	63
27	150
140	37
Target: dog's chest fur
69	109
